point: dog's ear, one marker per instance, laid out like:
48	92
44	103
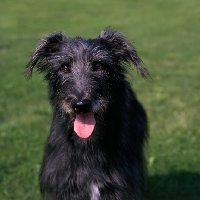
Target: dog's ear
47	47
123	49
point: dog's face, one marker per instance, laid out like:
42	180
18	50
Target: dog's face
84	75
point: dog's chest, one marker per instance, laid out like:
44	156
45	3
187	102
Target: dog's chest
95	194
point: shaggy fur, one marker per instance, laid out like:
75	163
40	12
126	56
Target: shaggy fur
108	164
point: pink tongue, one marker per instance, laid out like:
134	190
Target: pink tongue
84	124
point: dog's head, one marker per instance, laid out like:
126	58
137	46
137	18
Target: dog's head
84	75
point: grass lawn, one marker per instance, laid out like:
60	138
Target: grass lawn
167	37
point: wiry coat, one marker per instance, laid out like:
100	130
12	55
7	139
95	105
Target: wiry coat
109	164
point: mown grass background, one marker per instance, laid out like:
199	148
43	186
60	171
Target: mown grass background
167	37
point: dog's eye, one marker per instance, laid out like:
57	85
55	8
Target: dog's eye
97	66
66	68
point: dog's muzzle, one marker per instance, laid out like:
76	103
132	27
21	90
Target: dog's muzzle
84	123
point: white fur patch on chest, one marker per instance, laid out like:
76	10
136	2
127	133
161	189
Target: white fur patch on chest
95	194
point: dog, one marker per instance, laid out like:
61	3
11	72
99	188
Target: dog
95	147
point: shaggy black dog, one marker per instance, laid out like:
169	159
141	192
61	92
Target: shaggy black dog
95	146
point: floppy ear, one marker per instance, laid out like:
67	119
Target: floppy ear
123	49
47	47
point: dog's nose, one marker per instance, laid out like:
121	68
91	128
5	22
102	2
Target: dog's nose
81	106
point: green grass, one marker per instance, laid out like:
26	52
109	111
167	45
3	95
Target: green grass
166	35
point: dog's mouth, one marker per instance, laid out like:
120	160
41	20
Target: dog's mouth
84	124
85	115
